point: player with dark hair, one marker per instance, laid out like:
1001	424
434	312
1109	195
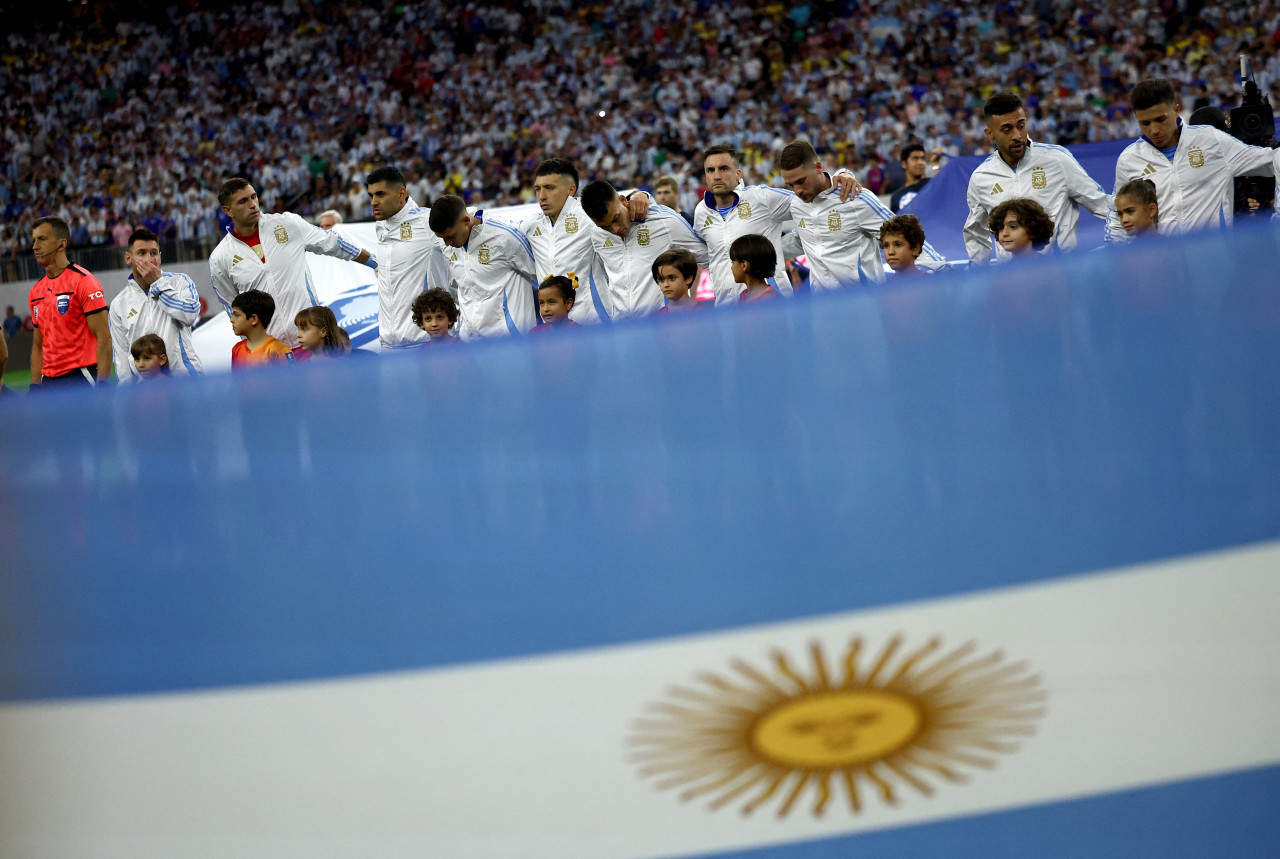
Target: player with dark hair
1192	166
840	239
730	208
268	252
1020	167
491	270
153	301
627	246
561	237
411	257
72	342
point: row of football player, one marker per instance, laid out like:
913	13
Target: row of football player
675	272
609	242
1021	226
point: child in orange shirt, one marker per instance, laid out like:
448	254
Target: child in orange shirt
251	313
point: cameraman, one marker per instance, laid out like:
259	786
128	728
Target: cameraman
1193	167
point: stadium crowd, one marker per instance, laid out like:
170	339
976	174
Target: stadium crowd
116	124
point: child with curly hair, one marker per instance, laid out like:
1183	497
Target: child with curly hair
1021	226
436	313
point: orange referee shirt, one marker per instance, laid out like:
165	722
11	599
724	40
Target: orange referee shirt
60	307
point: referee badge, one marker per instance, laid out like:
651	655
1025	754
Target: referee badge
1195	156
64	304
282	235
570	224
406	232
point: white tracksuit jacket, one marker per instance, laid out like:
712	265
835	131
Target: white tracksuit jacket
410	260
168	309
842	239
493	277
1048	174
758	209
1196	189
566	247
629	262
286	238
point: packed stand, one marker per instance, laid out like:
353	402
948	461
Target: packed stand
113	126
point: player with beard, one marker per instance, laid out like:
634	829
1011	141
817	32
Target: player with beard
410	258
268	252
1020	167
730	208
840	238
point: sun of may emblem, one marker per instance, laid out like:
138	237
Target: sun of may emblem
866	726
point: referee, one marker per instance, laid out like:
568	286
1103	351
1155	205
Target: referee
72	346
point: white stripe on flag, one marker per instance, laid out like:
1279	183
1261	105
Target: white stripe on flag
1152	674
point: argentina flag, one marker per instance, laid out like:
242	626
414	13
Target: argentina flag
982	565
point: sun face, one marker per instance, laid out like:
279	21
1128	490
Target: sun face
914	719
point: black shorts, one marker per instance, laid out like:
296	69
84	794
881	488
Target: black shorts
80	377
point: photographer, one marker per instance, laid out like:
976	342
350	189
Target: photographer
1193	167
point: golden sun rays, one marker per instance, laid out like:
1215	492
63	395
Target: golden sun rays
869	725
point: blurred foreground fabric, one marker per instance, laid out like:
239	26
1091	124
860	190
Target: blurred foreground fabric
981	565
